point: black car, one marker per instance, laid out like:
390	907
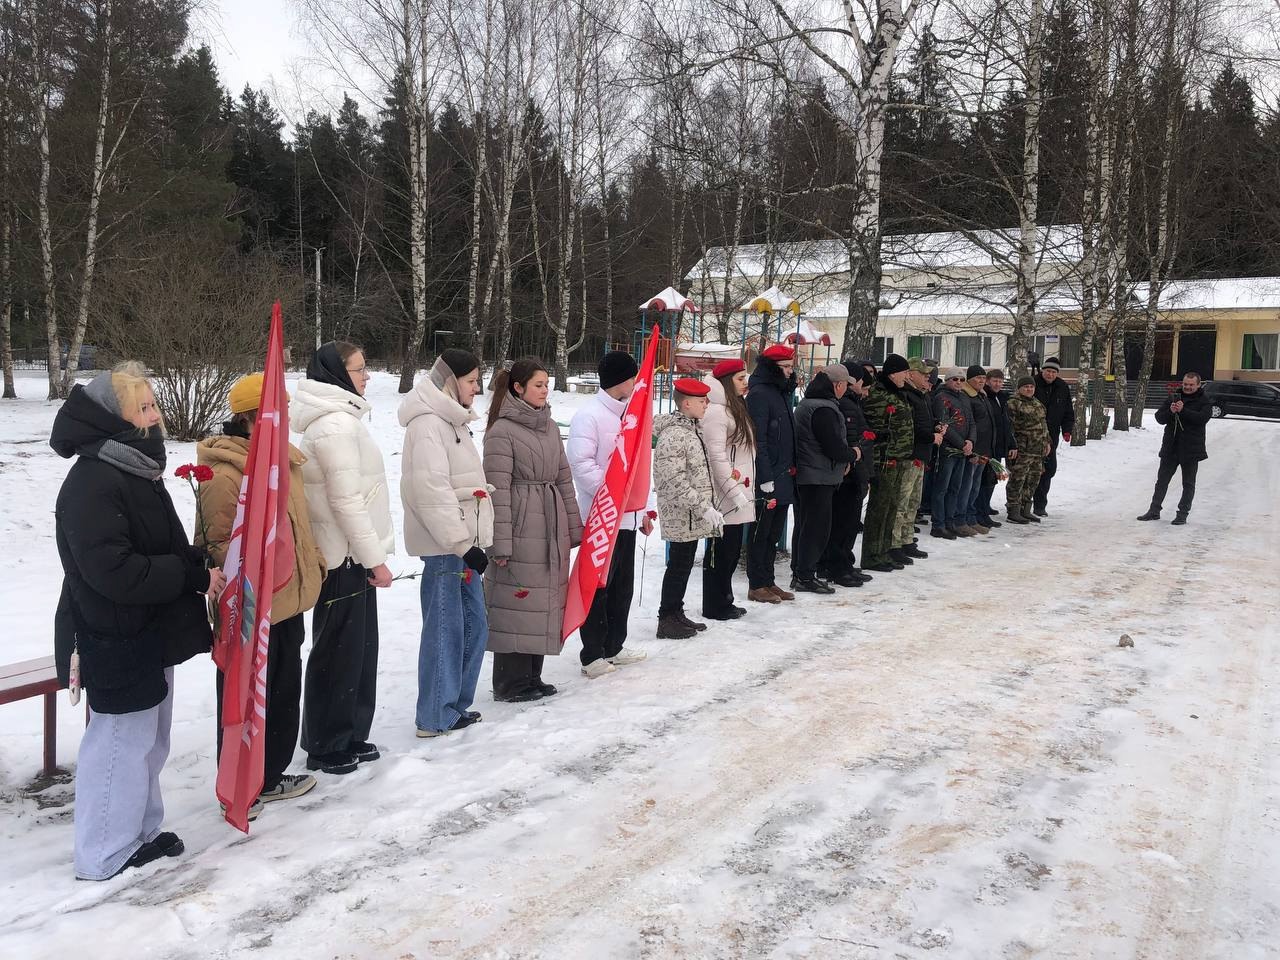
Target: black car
1243	398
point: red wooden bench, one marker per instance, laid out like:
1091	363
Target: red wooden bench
35	678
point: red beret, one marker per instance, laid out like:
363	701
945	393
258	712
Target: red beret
727	368
691	388
779	351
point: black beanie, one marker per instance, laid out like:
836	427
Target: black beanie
460	362
1026	382
616	366
894	364
975	370
856	370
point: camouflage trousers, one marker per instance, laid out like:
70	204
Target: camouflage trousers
1024	474
879	527
911	489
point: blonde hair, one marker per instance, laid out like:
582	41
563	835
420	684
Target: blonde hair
130	384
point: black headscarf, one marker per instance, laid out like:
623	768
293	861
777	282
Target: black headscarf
327	366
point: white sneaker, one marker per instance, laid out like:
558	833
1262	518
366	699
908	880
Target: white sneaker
598	668
626	656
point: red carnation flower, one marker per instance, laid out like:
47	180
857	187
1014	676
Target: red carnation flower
203	474
891	409
521	593
746	482
772	504
652	514
891	463
791	471
185	471
466	577
480	494
868	435
918	463
735	474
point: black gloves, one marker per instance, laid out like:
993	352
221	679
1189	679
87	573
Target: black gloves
476	560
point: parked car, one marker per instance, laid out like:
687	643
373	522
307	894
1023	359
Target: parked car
1243	398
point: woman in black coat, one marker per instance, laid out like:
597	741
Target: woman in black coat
1185	415
132	606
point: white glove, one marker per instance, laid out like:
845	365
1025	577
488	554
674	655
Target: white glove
766	487
713	517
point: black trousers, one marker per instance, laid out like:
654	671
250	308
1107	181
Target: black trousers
676	579
342	671
515	673
1046	478
813	528
846	524
284	698
718	564
605	630
1168	467
762	545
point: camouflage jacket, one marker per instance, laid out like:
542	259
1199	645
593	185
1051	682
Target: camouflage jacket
1030	428
895	431
681	479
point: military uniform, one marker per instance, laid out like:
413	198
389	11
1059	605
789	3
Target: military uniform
1030	436
889	417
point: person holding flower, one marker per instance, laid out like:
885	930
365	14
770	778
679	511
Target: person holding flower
346	490
729	436
222	460
535	524
448	522
132	607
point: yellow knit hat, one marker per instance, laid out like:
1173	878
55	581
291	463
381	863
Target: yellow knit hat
246	394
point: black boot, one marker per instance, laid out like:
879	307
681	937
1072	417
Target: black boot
673	627
1039	510
1015	514
811	585
1030	515
1180	519
913	551
692	624
899	556
1153	513
848	579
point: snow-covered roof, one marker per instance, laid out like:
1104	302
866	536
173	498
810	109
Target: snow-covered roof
1233	293
1059	244
670	299
772	299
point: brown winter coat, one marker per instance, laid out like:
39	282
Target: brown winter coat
535	523
218	498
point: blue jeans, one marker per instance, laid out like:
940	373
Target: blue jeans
118	802
455	631
970	487
946	490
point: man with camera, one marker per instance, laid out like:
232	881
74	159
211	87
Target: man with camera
1184	415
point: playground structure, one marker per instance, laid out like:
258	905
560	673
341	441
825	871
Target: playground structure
767	318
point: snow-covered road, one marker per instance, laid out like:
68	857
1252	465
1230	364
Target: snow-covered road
954	761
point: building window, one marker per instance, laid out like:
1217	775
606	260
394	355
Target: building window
881	347
1066	349
971	350
1261	351
926	348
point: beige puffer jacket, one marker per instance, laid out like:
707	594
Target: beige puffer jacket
735	497
344	477
441	472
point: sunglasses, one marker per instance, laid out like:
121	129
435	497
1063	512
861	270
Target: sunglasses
957	379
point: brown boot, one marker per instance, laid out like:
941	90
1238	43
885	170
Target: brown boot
1015	514
763	595
782	594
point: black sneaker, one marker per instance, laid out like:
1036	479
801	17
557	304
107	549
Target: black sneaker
169	844
147	853
733	613
466	720
365	752
476	713
336	763
1180	520
848	580
1150	515
911	550
897	555
520	696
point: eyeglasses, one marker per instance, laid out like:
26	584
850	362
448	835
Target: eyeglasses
956	379
357	369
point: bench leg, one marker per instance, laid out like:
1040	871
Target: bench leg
50	734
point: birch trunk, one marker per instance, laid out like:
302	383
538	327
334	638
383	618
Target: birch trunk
1161	255
45	230
416	82
6	234
1024	319
474	335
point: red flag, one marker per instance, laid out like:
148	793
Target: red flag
260	560
625	490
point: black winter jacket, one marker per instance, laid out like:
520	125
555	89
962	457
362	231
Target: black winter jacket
856	429
768	402
954	408
1059	412
1001	428
1184	431
822	445
131	592
922	443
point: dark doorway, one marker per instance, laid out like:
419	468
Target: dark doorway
1197	350
1161	365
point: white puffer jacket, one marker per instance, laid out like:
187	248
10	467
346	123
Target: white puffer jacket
734	497
593	433
441	472
344	479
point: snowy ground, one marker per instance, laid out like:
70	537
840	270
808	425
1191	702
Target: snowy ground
954	761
